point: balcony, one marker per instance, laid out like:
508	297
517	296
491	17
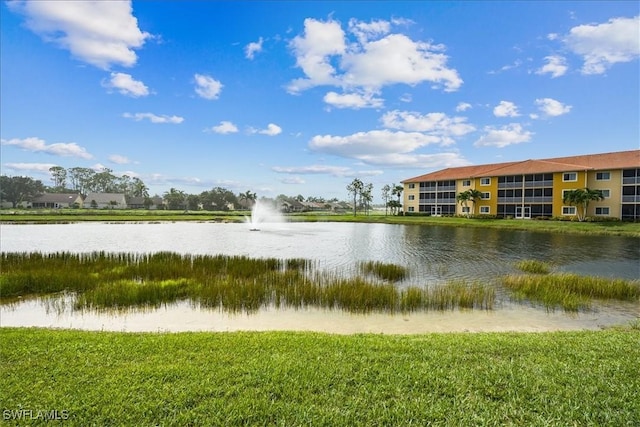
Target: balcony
516	200
631	180
527	184
631	199
538	184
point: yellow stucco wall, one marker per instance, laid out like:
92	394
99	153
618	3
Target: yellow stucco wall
492	189
614	185
406	203
559	186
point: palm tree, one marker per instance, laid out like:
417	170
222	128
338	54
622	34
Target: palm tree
248	197
396	190
355	188
463	198
580	198
472	196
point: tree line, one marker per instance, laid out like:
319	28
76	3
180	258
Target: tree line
362	196
20	189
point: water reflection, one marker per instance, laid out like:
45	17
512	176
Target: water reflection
433	254
182	317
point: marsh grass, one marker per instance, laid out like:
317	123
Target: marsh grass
105	281
534	266
571	292
384	271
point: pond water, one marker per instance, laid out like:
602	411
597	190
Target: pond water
433	254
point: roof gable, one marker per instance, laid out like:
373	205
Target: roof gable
105	197
57	198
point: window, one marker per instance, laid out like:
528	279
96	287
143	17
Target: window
485	181
484	209
466	209
412	197
466	183
603	176
602	211
570	176
411	209
568	210
486	196
412	185
606	193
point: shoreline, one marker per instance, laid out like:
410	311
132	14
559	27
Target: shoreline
611	228
182	317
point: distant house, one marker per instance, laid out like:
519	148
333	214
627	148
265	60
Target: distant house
153	203
314	206
105	200
291	205
57	200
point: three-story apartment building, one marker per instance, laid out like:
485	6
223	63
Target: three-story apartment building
532	188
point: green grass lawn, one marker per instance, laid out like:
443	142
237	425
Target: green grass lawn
276	378
74	215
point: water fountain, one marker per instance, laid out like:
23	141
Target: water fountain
261	214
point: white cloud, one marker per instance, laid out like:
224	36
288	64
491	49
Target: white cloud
225	127
37	145
435	124
506	109
101	33
312	170
379	147
353	100
271	130
337	171
552	108
207	87
118	159
516	64
398	59
252	48
295	180
556	66
504	136
153	118
365	31
313	50
373	60
126	85
422	161
29	167
602	45
463	106
406	97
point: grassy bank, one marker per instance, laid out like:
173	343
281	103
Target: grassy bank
77	215
98	378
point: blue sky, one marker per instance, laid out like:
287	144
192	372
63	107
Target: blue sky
302	97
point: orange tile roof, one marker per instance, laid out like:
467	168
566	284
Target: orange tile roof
617	160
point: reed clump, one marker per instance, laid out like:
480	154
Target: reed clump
534	266
106	281
571	292
384	271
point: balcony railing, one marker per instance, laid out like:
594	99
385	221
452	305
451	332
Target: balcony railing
527	184
631	199
539	199
631	180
